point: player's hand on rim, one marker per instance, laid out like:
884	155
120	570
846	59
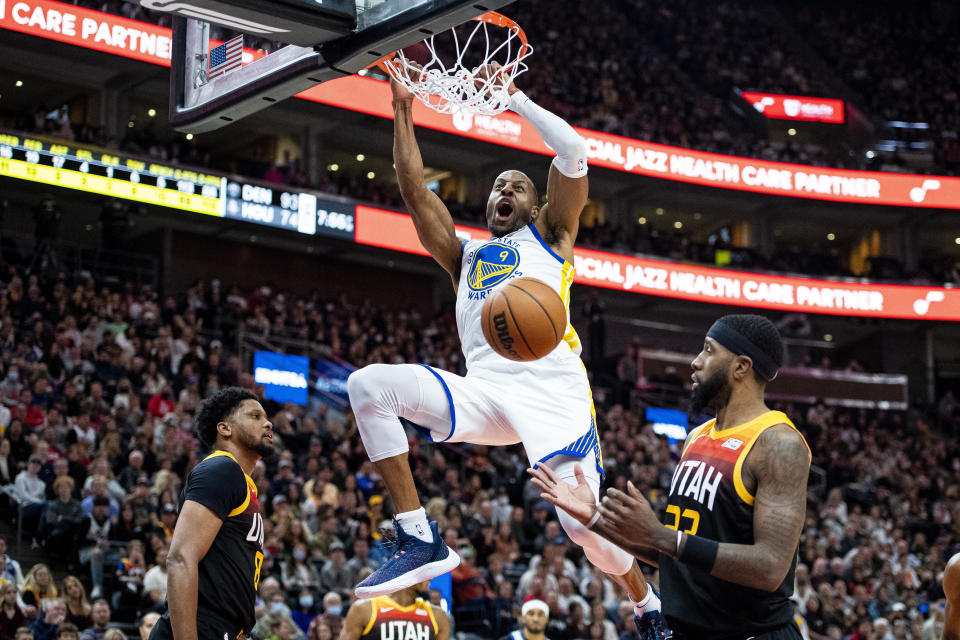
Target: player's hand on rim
406	68
577	500
493	76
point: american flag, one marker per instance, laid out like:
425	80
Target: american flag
226	57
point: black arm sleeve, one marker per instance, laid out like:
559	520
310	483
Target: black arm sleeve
218	484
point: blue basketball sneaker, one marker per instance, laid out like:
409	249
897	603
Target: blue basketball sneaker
652	625
413	561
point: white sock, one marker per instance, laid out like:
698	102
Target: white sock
415	524
650	603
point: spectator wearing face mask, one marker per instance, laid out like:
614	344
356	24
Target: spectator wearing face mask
333	612
304	614
298	572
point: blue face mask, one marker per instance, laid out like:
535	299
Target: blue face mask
277	607
334	610
306	601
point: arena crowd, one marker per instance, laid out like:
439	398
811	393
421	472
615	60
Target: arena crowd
99	386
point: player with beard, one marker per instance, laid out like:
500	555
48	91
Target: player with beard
546	404
213	565
534	616
728	548
404	614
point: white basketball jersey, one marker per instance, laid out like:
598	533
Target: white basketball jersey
485	267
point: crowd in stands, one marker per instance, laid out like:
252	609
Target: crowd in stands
666	72
98	387
661	73
894	58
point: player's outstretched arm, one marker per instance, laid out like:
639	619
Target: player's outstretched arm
430	216
197	526
951	588
357	619
781	462
567	184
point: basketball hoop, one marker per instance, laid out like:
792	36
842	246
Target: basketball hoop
457	86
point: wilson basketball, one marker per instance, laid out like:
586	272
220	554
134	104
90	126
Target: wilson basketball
524	320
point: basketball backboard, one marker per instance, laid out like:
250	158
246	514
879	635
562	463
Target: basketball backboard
324	40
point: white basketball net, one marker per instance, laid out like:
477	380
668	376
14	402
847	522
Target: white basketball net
455	87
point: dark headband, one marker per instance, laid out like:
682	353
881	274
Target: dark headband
740	345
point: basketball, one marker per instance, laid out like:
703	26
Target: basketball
524	320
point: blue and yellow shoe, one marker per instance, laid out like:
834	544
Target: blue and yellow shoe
412	562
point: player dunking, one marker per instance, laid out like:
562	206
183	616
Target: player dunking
217	549
404	614
728	549
545	404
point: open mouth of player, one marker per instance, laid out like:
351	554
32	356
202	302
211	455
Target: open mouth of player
696	383
503	211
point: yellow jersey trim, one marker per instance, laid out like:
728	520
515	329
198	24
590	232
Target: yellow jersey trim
741	488
567	272
754	428
373	617
251	485
762	421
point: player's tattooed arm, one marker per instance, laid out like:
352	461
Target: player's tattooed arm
430	216
780	462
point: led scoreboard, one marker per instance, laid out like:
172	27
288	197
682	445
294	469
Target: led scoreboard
282	207
113	174
109	174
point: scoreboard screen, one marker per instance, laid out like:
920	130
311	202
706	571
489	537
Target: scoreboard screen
113	174
109	174
285	208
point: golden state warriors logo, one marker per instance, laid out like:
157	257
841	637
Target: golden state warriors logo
492	264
